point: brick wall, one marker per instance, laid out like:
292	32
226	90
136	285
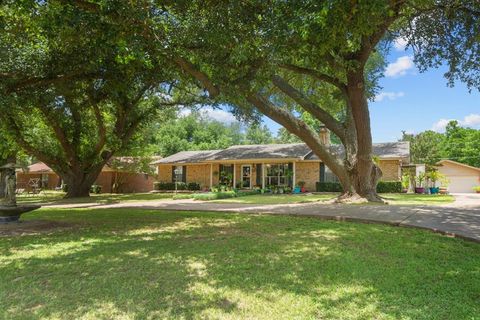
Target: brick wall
165	173
308	172
199	173
134	182
105	180
390	170
23	180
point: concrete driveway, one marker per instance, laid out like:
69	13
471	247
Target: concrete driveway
458	219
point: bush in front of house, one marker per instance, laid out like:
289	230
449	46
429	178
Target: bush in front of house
389	187
328	187
164	186
214	195
97	189
193	186
382	187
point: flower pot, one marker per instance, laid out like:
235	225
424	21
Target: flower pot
420	190
434	190
303	190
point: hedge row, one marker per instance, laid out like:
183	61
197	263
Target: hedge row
162	186
382	187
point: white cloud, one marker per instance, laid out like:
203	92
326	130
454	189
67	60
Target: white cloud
388	95
399	67
400	44
472	120
215	114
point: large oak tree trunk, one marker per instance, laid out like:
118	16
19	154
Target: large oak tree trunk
80	181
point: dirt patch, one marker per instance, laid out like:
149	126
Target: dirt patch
30	227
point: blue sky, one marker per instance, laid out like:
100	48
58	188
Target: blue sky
410	101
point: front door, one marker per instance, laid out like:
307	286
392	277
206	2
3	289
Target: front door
246	176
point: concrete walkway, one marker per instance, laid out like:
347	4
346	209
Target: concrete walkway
458	219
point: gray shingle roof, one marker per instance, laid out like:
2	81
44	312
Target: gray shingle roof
262	151
187	157
280	151
384	150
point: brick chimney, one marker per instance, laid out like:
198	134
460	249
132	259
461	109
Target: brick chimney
324	134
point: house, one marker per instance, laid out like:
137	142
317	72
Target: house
112	176
248	166
462	178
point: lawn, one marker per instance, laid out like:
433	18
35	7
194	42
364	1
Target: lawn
277	198
57	197
136	264
392	198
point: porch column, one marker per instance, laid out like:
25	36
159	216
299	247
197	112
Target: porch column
294	177
263	175
234	176
211	175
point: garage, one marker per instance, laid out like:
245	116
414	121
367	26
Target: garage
462	178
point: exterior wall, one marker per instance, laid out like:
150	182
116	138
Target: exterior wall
134	182
461	179
165	173
105	180
390	169
199	173
23	180
308	172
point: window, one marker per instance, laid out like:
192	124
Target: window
226	175
330	176
278	174
178	173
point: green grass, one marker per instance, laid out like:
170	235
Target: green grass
392	198
134	264
277	198
417	199
57	197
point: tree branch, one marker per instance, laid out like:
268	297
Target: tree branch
317	75
189	68
316	111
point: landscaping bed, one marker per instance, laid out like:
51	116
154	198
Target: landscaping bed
140	264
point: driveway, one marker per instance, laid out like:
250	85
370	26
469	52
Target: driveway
458	219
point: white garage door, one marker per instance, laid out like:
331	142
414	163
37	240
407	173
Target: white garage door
462	184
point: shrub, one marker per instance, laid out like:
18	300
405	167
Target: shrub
96	189
161	186
193	186
389	187
214	195
328	187
382	187
65	187
183	196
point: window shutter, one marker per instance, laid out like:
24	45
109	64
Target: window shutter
184	174
259	174
173	173
322	172
290	179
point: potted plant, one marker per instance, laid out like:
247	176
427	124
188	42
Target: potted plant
420	180
280	190
476	189
301	184
434	176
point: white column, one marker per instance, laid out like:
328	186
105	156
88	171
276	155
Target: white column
294	177
263	175
234	176
211	175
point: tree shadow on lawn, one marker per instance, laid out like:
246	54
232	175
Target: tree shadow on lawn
151	264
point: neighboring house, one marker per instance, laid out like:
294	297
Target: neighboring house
247	166
126	181
462	178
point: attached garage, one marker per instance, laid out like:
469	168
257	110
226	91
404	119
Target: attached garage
462	178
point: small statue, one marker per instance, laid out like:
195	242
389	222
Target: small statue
10	183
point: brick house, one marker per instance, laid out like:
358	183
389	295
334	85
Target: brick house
249	166
128	182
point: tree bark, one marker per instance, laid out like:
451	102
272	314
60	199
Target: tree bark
79	181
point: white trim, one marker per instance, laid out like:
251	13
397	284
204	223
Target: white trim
241	175
458	164
263	176
294	177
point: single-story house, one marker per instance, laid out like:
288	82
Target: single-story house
126	181
248	166
462	178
